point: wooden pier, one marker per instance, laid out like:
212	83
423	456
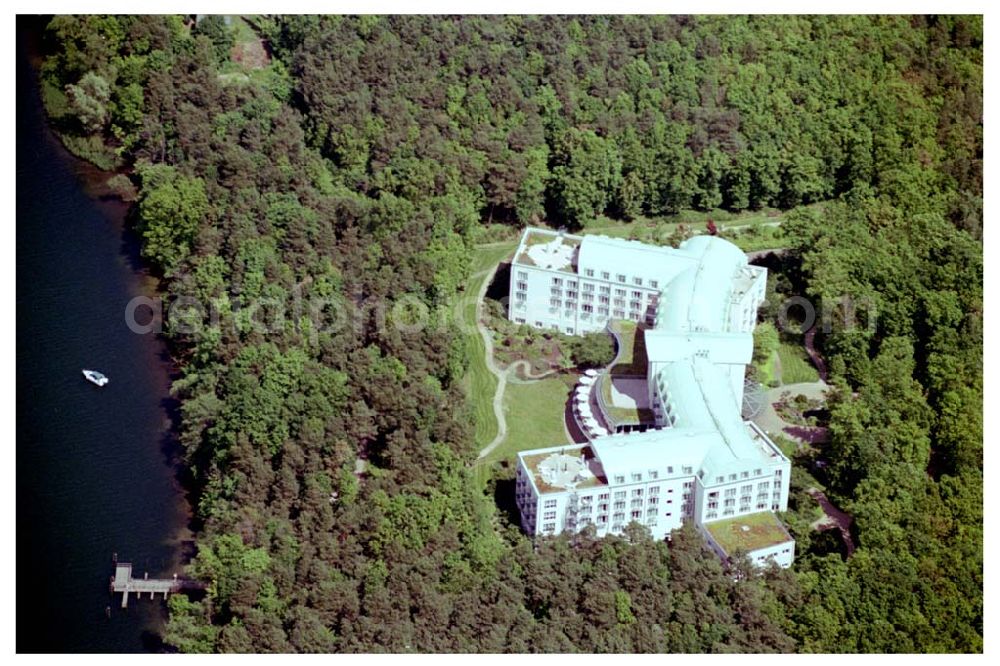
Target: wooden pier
124	583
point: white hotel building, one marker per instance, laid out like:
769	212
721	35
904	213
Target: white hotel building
693	458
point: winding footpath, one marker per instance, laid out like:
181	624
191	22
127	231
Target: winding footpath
502	375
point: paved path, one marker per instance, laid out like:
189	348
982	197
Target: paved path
772	423
834	519
813	354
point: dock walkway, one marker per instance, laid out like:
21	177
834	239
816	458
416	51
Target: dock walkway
124	583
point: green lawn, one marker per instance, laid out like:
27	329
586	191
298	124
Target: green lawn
766	371
479	382
535	416
795	364
631	359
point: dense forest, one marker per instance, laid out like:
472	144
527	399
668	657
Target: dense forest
358	160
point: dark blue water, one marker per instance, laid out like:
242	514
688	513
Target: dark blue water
94	472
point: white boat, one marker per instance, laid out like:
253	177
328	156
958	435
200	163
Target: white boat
95	377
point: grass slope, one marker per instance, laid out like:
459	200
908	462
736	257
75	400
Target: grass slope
795	364
479	383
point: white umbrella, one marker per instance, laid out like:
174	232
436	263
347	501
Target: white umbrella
587	381
590	372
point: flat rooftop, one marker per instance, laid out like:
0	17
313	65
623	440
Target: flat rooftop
748	533
550	250
566	468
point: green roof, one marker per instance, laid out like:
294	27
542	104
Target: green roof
748	533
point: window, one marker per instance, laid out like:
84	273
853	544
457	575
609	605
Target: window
654	500
549	527
555	302
636	514
688	484
605	289
588	297
620	506
602	520
732	477
619	479
620	292
746	490
589	272
637	295
587	307
621	278
549	515
670	470
620	495
550	504
570	294
730	492
637	281
604	299
654	490
588	286
569	330
756	472
571	284
603	496
521	296
522	275
745	475
688	470
653	474
720	479
519	320
606	275
637	492
523	286
570	305
602	311
637	477
539	324
637	503
619	314
557	282
654	284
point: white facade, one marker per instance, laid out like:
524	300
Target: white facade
700	462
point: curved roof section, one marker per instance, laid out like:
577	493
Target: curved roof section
632	258
692	348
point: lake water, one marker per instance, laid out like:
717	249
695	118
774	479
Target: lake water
94	468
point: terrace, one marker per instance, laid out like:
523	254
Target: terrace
568	468
549	250
748	533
